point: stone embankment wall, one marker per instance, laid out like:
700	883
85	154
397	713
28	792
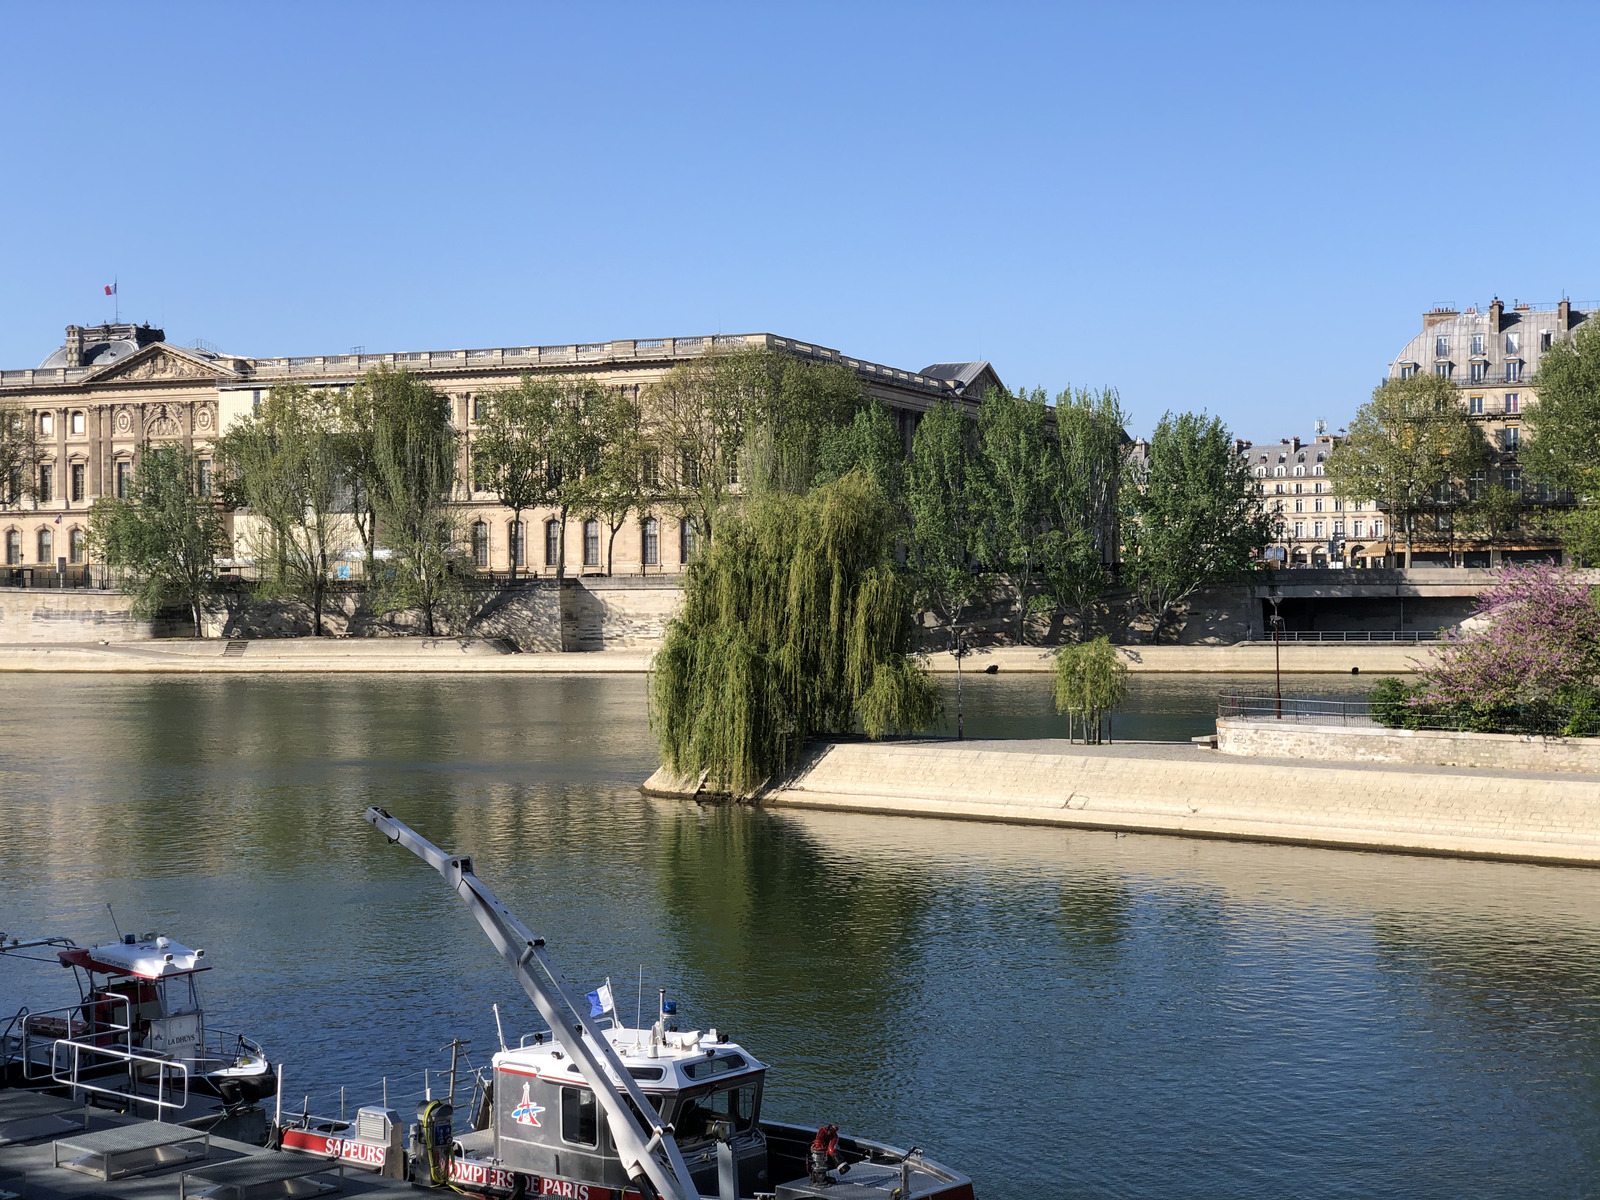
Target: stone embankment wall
536	616
1427	747
1179	789
75	615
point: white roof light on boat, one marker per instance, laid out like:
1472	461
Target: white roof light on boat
199	953
166	958
162	943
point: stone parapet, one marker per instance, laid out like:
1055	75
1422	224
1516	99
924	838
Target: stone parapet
1268	738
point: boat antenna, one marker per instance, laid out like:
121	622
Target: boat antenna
114	924
498	1028
638	1008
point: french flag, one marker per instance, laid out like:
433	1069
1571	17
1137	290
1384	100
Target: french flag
111	289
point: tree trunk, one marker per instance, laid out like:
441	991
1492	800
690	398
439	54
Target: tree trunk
518	540
611	546
1411	522
316	608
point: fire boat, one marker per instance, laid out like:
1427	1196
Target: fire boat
611	1113
136	1037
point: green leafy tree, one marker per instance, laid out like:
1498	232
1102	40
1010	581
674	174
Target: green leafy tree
19	451
356	408
871	443
1091	680
943	505
760	408
286	464
1019	478
414	461
1410	441
1193	517
795	624
511	446
1077	551
164	537
615	487
1563	446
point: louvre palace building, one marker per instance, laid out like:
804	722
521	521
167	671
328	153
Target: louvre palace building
108	390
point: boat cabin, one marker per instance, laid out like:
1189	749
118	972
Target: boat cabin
546	1122
141	994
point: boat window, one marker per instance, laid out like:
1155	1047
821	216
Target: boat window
696	1113
707	1067
578	1122
647	1073
178	995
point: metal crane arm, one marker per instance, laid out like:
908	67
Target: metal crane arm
646	1152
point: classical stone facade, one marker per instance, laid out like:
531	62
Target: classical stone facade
111	389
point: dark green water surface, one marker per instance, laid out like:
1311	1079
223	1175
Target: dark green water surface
1056	1013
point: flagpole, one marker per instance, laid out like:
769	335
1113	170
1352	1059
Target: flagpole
116	299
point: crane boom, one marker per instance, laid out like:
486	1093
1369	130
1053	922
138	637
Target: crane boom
649	1153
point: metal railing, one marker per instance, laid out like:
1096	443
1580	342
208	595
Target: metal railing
1306	710
65	1019
1406	637
167	1073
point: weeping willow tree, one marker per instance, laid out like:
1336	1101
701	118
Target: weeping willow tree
794	624
1091	681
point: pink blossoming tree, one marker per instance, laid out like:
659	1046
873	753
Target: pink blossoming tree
1540	643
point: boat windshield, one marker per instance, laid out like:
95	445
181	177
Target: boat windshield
178	995
737	1104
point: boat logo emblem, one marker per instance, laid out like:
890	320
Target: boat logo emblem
526	1113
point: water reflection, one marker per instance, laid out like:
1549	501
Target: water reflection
1058	1012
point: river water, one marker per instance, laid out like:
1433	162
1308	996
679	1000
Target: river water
1057	1013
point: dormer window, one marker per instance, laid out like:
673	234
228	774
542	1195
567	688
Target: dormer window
1441	346
1407	370
1513	343
1301	457
1477	345
1299	471
1547	338
1443	369
1480	372
1513	370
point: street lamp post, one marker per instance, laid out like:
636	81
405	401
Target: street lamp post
1277	654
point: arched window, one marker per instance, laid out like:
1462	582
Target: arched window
517	539
75	545
47	544
591	543
552	543
688	541
650	542
480	544
13	547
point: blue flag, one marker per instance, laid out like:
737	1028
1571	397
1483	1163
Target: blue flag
600	1001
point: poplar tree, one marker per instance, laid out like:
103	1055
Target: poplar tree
1192	516
1563	447
1077	551
615	486
942	502
1014	487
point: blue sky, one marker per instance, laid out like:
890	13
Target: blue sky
1241	208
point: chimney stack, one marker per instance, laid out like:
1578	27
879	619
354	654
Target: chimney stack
1496	310
1564	316
74	346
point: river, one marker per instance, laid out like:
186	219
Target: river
1055	1012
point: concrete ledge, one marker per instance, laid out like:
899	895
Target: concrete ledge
1429	747
1180	789
1374	658
302	656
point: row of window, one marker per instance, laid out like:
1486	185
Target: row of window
1513	343
47	423
1319	529
649	540
1277	489
1512	405
1280	472
77	481
45	547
